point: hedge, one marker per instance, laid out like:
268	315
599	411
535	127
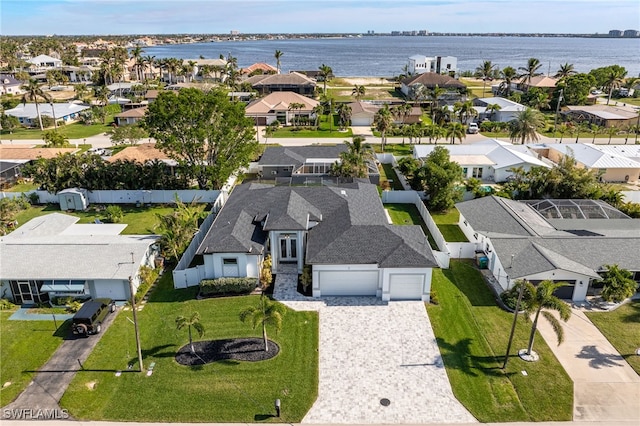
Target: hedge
228	285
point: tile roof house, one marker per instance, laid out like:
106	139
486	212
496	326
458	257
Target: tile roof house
619	163
292	82
488	160
277	106
560	240
603	115
14	158
141	154
540	81
130	116
52	255
259	68
302	163
430	80
341	231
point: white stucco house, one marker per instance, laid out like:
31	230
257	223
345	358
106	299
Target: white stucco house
280	106
489	160
419	64
44	62
52	255
568	241
508	111
28	115
341	231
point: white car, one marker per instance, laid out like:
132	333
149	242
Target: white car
473	128
596	92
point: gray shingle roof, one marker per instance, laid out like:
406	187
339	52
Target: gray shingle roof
296	156
352	226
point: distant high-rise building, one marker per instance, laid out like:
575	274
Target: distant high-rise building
615	33
631	33
235	32
423	32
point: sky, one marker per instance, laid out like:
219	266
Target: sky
100	17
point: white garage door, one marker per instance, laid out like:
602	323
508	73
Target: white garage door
406	286
112	289
348	283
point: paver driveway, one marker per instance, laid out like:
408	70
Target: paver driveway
371	350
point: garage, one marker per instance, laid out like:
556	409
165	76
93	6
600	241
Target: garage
406	286
348	283
112	289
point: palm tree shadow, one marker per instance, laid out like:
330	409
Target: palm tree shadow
598	359
458	355
633	317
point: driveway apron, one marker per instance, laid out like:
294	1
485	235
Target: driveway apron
605	387
52	380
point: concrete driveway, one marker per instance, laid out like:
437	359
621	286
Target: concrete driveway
605	387
52	380
371	351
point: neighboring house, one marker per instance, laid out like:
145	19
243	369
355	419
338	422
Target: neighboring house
341	231
141	154
151	95
489	160
121	88
79	74
614	164
305	161
548	84
508	111
28	116
292	82
603	115
52	255
131	116
9	85
277	106
429	80
560	240
362	113
215	68
43	63
9	172
259	68
419	64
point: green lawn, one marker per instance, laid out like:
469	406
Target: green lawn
408	214
71	131
622	328
139	220
396	149
472	333
22	187
388	172
324	131
19	359
448	225
226	391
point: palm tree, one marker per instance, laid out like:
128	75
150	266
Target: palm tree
295	106
492	109
266	313
562	129
455	131
485	71
434	95
149	61
565	70
464	110
354	161
325	73
136	55
193	321
507	75
278	55
383	121
102	95
434	132
318	110
33	92
530	71
614	80
611	131
594	129
540	101
524	127
344	115
541	297
358	91
582	126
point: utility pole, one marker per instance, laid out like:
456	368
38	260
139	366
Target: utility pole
555	123
513	326
135	323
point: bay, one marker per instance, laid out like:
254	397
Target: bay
385	56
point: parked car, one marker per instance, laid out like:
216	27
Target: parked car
596	92
473	128
89	319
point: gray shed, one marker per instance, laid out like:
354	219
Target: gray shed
73	199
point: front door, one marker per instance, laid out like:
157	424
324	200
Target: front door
288	248
25	292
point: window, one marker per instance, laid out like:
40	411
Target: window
464	171
477	172
230	261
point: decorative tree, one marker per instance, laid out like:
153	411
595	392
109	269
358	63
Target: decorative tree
618	284
266	313
192	321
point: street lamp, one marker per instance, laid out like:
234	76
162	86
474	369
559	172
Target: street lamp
555	123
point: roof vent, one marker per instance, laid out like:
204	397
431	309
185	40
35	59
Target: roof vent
343	192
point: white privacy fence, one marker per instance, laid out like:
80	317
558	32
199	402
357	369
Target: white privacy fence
631	196
387	158
155	196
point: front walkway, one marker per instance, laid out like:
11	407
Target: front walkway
370	351
605	387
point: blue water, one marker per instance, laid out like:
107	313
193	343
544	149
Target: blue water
386	55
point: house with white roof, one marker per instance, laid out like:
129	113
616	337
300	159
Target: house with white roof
28	115
52	255
569	241
44	62
508	110
613	163
489	160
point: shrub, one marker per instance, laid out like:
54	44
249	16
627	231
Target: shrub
306	278
5	304
510	297
74	307
114	214
148	276
228	286
266	277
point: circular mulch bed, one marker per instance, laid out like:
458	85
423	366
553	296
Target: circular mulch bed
247	349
